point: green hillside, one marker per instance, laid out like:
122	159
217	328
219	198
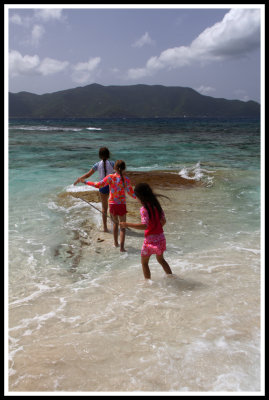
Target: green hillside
138	101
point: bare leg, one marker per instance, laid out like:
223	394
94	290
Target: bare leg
104	201
164	264
122	218
145	267
115	229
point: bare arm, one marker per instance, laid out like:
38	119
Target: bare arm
85	176
106	181
132	225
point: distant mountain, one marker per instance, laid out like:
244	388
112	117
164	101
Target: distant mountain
126	101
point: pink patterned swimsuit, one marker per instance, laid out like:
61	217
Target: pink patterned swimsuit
117	190
154	242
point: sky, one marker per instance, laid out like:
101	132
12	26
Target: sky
215	50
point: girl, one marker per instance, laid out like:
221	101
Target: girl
118	183
104	167
152	221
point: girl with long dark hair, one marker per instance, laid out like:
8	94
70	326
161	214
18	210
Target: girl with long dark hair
104	167
152	222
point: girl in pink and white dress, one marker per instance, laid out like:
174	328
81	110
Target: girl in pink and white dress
152	221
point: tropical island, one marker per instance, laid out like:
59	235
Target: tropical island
134	101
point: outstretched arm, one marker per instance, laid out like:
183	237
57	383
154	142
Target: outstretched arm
132	225
100	184
85	176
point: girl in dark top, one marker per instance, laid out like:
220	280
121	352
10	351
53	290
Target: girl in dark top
104	167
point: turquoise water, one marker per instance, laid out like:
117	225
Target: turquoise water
85	309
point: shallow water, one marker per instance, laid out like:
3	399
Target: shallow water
81	316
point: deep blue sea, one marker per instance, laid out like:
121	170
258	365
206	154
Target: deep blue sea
81	316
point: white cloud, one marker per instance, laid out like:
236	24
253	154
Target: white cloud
47	14
31	65
33	22
205	89
83	71
89	65
50	66
22	65
145	39
17	20
36	34
44	15
235	36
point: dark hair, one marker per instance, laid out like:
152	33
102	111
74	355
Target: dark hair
104	154
148	198
120	166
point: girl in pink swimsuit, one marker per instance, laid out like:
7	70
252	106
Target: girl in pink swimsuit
118	184
152	222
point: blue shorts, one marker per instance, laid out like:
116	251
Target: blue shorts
104	190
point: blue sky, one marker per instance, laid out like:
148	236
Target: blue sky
214	49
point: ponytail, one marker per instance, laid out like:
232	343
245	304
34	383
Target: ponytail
104	154
104	161
122	178
120	166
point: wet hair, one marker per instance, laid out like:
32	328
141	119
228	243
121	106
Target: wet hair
148	198
120	166
104	154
